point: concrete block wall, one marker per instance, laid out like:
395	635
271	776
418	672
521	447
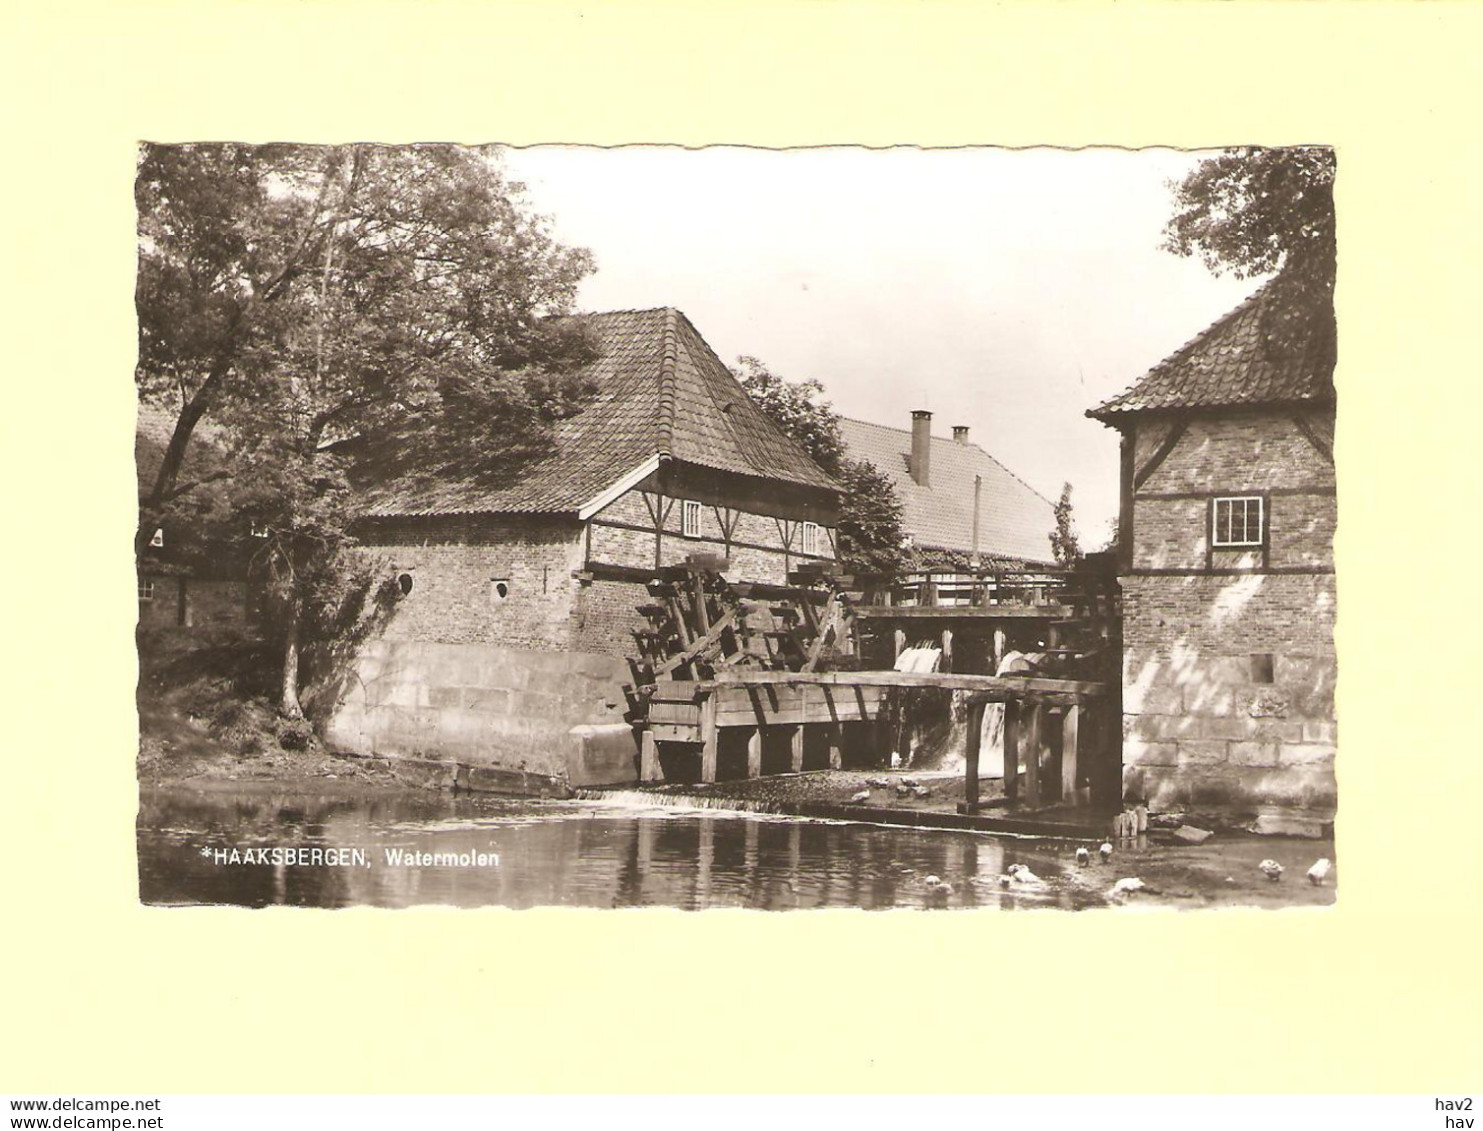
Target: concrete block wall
558	714
1201	728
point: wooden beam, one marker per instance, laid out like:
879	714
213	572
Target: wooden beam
708	739
695	649
754	753
649	757
1032	718
795	749
970	757
1175	434
946	663
966	612
1310	434
1011	752
821	637
1070	737
1010	685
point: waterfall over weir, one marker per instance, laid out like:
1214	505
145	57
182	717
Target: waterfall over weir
642	799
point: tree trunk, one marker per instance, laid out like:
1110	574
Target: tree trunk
289	705
174	458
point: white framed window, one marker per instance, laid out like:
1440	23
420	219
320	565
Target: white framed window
1237	520
811	538
146	590
690	518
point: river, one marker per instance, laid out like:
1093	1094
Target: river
216	847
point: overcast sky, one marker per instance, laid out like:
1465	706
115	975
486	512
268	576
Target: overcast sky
1005	290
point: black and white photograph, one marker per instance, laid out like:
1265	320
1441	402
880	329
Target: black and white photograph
728	527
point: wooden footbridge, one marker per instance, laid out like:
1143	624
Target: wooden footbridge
739	680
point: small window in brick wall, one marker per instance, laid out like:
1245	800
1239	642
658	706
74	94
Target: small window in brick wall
690	519
1261	667
404	583
499	589
810	538
1237	521
146	590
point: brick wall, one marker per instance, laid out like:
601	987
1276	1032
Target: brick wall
1228	680
605	616
456	565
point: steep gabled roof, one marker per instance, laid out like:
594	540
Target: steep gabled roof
661	392
1015	520
1231	364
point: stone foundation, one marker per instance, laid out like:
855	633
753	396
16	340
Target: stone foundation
558	715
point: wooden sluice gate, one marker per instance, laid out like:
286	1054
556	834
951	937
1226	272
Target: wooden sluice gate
736	679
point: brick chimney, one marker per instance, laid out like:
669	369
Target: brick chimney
960	433
921	447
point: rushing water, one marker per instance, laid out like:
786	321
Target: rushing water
575	854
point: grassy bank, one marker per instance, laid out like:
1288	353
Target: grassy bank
206	712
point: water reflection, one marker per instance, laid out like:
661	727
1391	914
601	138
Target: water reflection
565	854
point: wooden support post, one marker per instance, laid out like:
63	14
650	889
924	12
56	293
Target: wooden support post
835	731
649	757
795	749
702	614
1032	718
1011	751
898	639
1070	735
999	648
946	664
754	752
709	738
975	738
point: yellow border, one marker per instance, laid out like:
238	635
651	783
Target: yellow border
1381	993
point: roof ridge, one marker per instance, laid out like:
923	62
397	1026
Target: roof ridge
668	389
988	455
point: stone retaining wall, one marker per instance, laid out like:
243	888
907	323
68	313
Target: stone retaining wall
554	714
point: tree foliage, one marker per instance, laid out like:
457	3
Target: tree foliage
796	408
872	539
1064	543
1254	211
341	313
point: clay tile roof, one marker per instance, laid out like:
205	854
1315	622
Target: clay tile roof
1230	364
1015	520
661	391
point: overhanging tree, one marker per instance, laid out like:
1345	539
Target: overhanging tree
343	313
872	539
1254	211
